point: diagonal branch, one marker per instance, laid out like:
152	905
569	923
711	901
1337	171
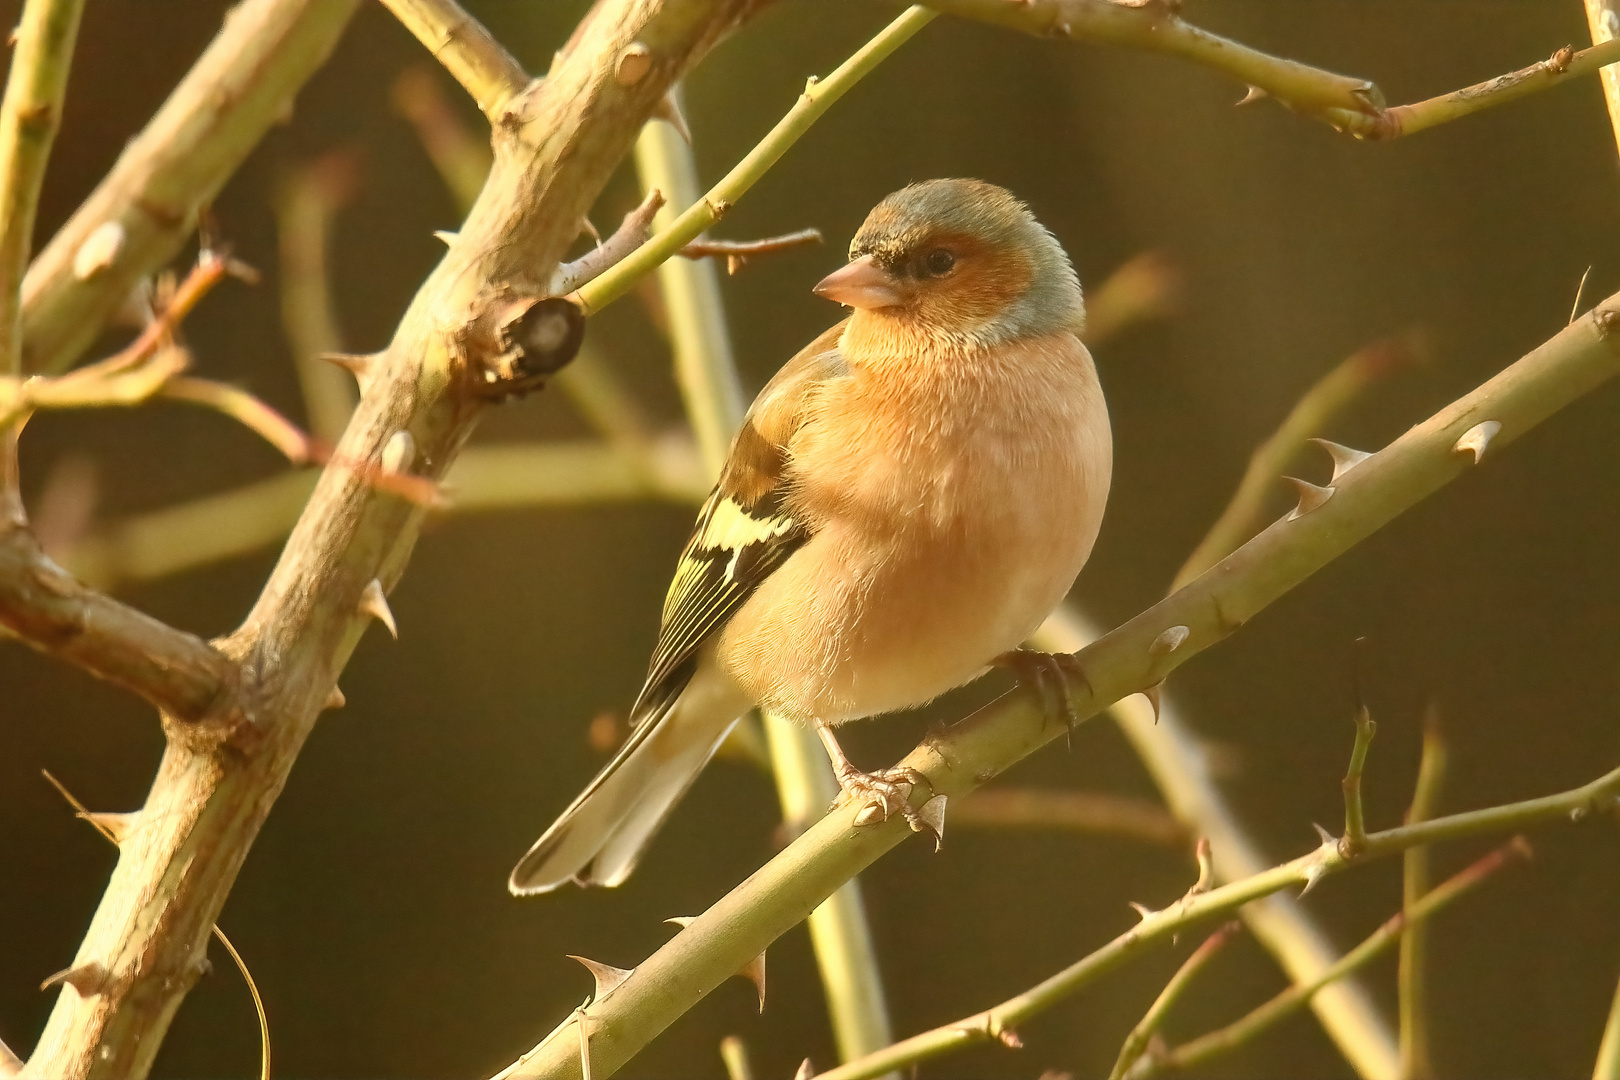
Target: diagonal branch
1354	106
468	51
29	118
421	402
144	209
51	611
782	893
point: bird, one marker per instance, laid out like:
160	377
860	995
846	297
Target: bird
904	503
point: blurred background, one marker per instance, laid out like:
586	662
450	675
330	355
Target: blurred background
373	910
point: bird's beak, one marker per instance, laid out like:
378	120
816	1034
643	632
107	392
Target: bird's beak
861	284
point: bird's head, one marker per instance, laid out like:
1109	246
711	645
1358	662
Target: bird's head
959	259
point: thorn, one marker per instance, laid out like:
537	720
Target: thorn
1143	911
1328	839
355	364
1009	1038
1206	868
101	249
634	63
669	111
754	972
1476	439
871	814
1344	458
1168	642
334	700
805	1071
1312	876
734	263
1250	96
399	452
1153	693
375	604
88	979
1574	310
930	817
113	826
446	237
682	921
1311	497
608	978
587	228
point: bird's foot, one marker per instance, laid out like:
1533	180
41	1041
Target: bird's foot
887	793
1048	676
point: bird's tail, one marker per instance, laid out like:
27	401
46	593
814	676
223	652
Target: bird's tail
597	840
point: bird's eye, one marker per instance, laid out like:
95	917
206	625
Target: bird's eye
938	262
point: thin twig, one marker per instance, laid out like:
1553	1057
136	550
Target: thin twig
29	117
1159	925
1144	288
1074	811
1354	106
468	51
1326	398
1355	821
818	97
1201	1050
738	252
461	158
1422	460
140	214
1136	1043
1410	980
306	202
246	410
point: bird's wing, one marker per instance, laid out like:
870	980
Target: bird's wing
745	529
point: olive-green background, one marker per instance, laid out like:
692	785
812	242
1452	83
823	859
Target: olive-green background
373	908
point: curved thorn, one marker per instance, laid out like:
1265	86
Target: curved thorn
1311	497
608	978
375	604
1344	458
1476	439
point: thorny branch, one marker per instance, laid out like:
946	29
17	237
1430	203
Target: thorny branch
468	51
147	206
1244	1030
212	793
1366	497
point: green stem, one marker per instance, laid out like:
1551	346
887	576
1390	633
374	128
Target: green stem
1244	515
1137	1041
1368	496
1608	1057
1243	1031
817	98
29	118
1412	987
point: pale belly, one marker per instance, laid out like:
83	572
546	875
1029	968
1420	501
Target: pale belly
858	623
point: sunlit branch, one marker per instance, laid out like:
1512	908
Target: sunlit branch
479	63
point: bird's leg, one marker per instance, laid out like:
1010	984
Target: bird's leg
883	792
1047	675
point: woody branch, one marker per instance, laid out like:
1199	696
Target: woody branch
558	141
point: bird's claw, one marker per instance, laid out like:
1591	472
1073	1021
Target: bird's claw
884	794
1048	676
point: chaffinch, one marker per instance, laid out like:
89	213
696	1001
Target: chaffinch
905	502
